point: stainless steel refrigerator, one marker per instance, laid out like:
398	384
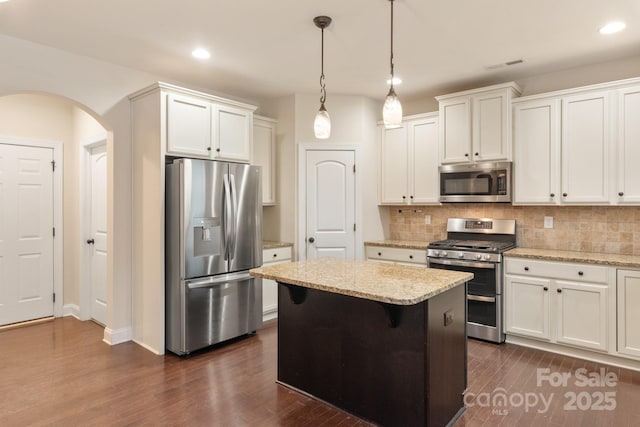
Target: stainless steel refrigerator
213	237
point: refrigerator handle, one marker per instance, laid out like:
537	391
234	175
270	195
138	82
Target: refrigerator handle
228	216
234	213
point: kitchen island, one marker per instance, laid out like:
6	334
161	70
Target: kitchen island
384	342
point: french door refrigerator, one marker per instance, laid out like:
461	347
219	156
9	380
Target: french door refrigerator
213	237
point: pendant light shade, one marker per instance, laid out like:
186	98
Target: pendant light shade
392	109
322	123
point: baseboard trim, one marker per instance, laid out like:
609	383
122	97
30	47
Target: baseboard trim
117	336
270	315
71	310
607	359
147	347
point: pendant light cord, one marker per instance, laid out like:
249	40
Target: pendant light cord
391	57
323	89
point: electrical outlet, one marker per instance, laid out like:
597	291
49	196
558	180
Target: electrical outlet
427	219
548	222
448	318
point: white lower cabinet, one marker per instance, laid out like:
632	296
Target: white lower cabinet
270	287
404	256
563	303
628	299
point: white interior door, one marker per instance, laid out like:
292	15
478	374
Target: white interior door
26	233
99	234
330	204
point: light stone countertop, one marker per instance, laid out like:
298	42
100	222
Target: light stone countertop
612	260
403	244
270	244
390	283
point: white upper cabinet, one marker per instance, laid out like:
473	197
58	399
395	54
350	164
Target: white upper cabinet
408	158
585	148
536	151
475	125
627	188
231	129
264	155
188	126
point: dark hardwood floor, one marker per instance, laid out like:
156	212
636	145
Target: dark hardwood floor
61	373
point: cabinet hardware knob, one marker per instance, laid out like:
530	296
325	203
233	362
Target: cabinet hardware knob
90	242
208	148
559	291
311	240
552	195
379	253
621	194
466	154
526	269
218	150
411	197
275	255
564	194
404	197
545	288
410	256
580	273
477	154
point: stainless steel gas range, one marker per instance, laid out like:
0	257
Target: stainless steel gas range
475	245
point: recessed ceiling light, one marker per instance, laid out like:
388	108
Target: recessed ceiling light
2	1
613	27
396	81
201	53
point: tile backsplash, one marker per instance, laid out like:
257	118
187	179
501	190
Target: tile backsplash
604	229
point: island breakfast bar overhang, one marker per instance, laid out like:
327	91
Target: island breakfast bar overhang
382	341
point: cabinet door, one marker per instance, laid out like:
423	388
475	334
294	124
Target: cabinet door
455	130
581	314
393	149
424	181
527	306
188	126
628	295
490	126
585	148
628	182
536	130
232	133
264	155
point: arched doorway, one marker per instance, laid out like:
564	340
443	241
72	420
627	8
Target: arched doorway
71	131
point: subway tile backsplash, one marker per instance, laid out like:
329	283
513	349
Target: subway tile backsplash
605	229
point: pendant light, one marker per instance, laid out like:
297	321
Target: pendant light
322	123
392	110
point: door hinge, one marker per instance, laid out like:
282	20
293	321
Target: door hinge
54	297
354	168
53	165
54	232
354	227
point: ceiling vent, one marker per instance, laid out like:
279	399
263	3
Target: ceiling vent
504	64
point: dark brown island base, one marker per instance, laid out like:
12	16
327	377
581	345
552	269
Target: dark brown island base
384	342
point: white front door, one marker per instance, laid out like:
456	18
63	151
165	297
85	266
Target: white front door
26	233
99	234
330	204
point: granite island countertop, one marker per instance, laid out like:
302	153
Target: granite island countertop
271	244
382	282
612	260
403	244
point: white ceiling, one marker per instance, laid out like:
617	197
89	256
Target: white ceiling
263	49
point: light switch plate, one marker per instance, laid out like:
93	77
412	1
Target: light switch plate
427	219
548	222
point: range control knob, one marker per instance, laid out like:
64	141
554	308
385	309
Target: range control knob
461	255
436	253
487	257
444	253
478	256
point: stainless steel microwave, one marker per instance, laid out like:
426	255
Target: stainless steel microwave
476	182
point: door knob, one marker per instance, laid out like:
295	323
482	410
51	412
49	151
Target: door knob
90	242
311	240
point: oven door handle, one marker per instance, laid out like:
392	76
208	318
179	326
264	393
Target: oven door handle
487	265
480	299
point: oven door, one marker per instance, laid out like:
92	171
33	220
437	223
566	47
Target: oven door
485	279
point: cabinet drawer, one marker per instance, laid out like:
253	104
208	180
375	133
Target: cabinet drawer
412	256
556	270
276	254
